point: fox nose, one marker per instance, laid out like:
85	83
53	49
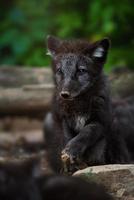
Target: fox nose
65	94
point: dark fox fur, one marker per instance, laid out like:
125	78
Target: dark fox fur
20	182
82	122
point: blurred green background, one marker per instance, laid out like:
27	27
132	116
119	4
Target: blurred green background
24	25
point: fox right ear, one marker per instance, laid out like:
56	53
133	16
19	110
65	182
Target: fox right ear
100	51
53	44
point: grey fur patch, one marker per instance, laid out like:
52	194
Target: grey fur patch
80	122
98	52
49	53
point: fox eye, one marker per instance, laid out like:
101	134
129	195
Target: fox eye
59	71
82	70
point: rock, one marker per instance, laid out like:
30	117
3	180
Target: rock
118	179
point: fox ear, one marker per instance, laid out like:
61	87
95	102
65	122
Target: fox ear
100	51
53	44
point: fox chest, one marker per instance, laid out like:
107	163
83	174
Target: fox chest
80	122
77	123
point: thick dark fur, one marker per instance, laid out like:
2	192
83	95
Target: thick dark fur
16	182
83	123
124	122
21	182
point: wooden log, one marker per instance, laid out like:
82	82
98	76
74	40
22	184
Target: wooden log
28	91
25	91
25	101
12	77
122	85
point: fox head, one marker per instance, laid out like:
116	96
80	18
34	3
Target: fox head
76	64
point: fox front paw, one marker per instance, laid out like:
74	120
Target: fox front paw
72	157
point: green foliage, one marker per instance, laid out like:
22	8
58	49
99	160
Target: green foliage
25	25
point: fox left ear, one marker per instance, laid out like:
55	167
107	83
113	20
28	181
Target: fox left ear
53	43
101	49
